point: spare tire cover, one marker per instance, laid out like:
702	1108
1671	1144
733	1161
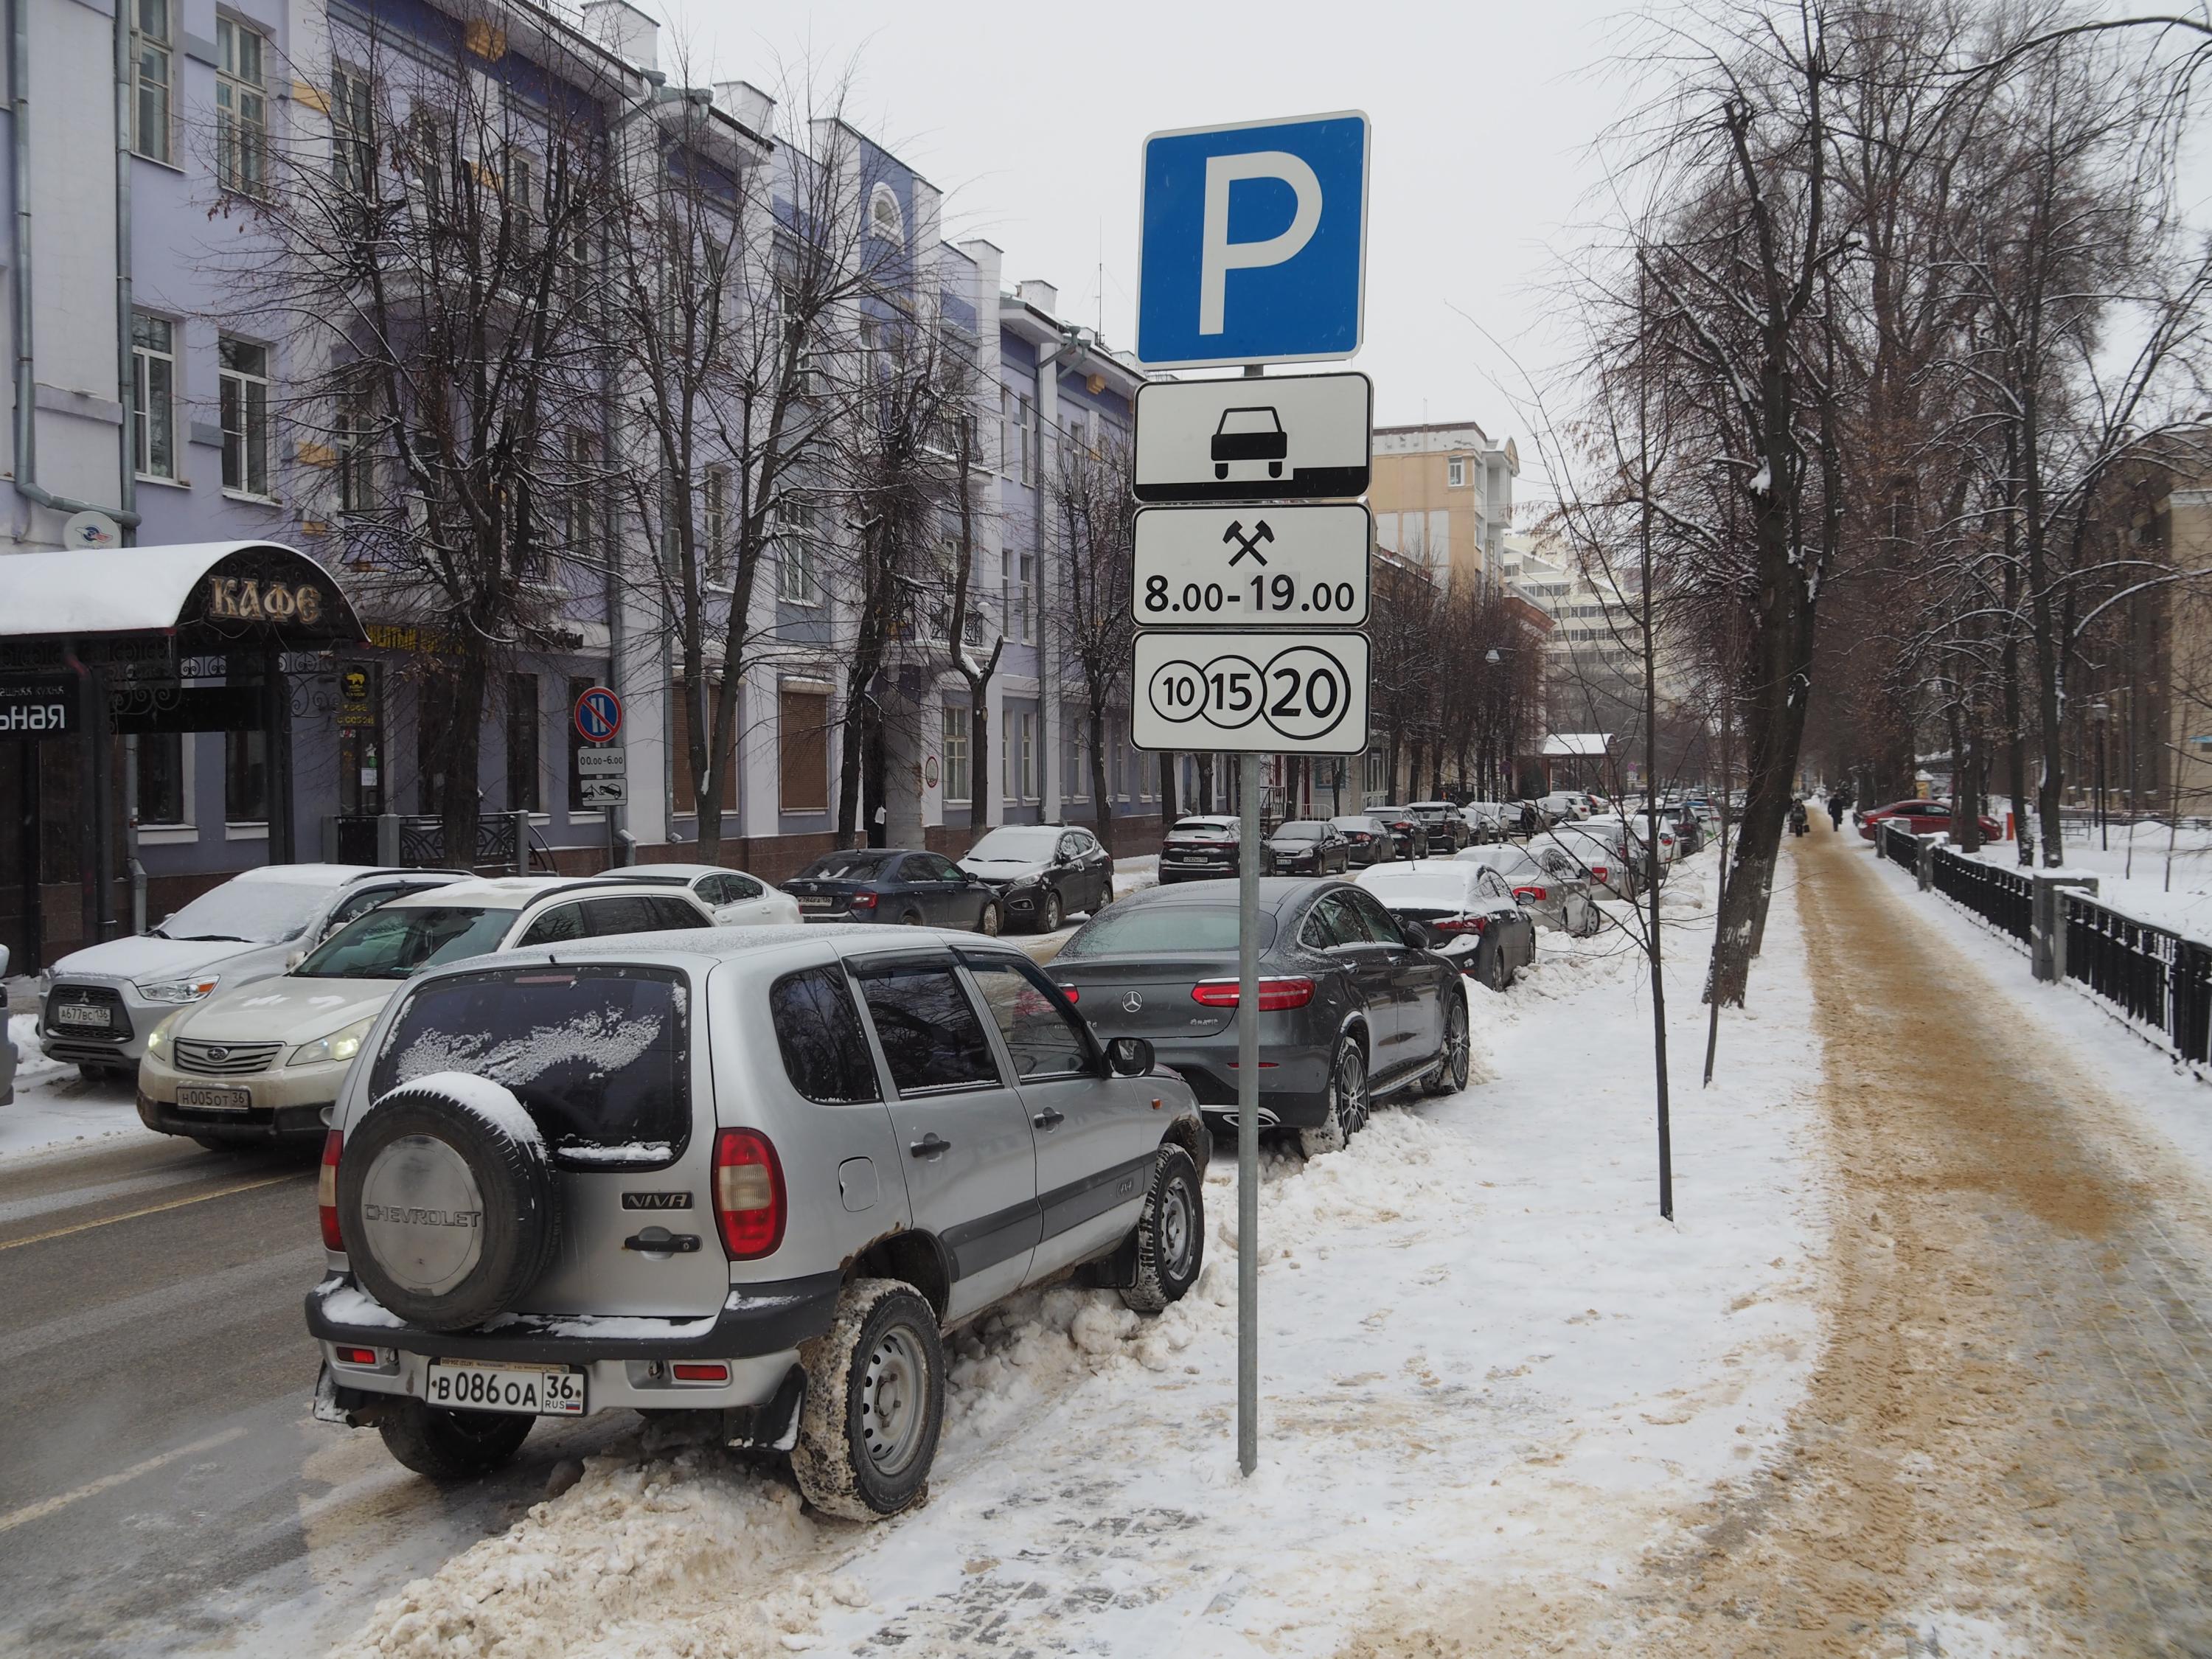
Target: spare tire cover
447	1202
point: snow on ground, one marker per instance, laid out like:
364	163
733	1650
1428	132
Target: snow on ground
1485	1359
2165	1096
53	1104
1130	874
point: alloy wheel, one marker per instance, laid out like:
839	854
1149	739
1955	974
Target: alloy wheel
1351	1089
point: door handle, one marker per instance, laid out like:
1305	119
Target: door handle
1049	1119
930	1145
664	1244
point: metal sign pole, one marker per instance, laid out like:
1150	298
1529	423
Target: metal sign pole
1248	1099
1248	1115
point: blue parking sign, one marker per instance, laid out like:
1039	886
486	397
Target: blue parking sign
1254	242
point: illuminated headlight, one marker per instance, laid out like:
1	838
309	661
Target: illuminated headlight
179	990
157	1040
338	1045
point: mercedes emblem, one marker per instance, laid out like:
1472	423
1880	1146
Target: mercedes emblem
1131	1003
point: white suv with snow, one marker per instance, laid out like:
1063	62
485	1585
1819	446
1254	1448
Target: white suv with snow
749	1174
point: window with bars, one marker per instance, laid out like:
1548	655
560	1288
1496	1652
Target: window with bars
244	398
952	745
154	72
241	109
154	395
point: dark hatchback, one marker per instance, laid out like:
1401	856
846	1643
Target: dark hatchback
894	884
1352	1005
1199	849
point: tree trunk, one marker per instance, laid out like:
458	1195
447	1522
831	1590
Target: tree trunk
1104	822
459	806
1168	813
979	752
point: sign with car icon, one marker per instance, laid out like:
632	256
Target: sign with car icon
1291	437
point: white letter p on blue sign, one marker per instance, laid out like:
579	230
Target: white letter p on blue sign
1254	242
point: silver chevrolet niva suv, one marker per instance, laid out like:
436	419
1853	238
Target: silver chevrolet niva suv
751	1173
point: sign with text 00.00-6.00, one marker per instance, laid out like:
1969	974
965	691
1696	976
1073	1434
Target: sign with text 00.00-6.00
1296	694
1213	567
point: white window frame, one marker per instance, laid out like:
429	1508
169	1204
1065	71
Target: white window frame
1455	472
353	127
156	49
241	104
798	565
143	361
952	729
252	436
715	522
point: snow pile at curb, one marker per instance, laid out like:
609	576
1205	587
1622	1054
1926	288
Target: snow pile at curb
1491	1377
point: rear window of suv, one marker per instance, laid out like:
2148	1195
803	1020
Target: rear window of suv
597	1055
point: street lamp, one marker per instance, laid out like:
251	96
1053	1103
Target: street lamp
1493	658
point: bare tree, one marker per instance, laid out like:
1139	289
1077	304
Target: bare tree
428	263
1097	520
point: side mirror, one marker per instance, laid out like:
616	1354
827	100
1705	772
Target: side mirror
1129	1056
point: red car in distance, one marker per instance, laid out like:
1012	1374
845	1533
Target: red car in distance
1922	817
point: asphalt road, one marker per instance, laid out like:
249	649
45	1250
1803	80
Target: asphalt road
163	1487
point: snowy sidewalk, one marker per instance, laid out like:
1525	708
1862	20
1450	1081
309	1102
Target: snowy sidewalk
1491	1375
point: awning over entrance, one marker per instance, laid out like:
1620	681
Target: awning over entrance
215	593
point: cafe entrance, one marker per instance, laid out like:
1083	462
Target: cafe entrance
147	642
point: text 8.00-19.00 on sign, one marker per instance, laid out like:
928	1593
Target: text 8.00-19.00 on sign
1196	566
1294	693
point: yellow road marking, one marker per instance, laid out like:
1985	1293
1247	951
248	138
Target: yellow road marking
151	1209
45	1507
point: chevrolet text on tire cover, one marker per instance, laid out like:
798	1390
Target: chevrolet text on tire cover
749	1174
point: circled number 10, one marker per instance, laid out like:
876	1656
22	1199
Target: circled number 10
1279	594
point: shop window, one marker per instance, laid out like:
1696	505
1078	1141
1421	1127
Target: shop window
522	726
160	779
246	777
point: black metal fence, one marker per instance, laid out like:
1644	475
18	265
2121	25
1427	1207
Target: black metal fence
422	842
2156	977
2003	898
1900	846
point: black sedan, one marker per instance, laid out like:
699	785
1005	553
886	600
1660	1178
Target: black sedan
1411	834
1489	934
894	884
1199	849
1366	840
1044	872
1445	823
1305	847
1353	1004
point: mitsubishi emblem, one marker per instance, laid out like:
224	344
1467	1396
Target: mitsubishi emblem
1131	1003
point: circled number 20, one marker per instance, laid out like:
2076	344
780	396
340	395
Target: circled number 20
1281	594
1303	693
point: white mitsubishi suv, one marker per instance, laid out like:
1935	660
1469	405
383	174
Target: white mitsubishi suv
751	1174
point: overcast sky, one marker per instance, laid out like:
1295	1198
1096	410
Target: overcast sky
1029	119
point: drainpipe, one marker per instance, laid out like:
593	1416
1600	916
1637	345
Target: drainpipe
27	454
127	471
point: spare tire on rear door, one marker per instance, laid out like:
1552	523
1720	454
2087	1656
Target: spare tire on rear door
447	1200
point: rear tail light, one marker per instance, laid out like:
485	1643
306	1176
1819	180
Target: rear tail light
1464	925
1275	994
326	1191
358	1357
700	1371
1598	872
1537	894
864	901
749	1203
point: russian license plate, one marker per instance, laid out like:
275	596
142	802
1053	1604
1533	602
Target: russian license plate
816	903
80	1013
544	1390
193	1097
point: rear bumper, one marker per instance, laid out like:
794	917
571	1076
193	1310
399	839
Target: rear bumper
1293	1081
755	1322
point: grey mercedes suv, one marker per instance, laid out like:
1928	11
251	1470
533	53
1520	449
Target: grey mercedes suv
750	1173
